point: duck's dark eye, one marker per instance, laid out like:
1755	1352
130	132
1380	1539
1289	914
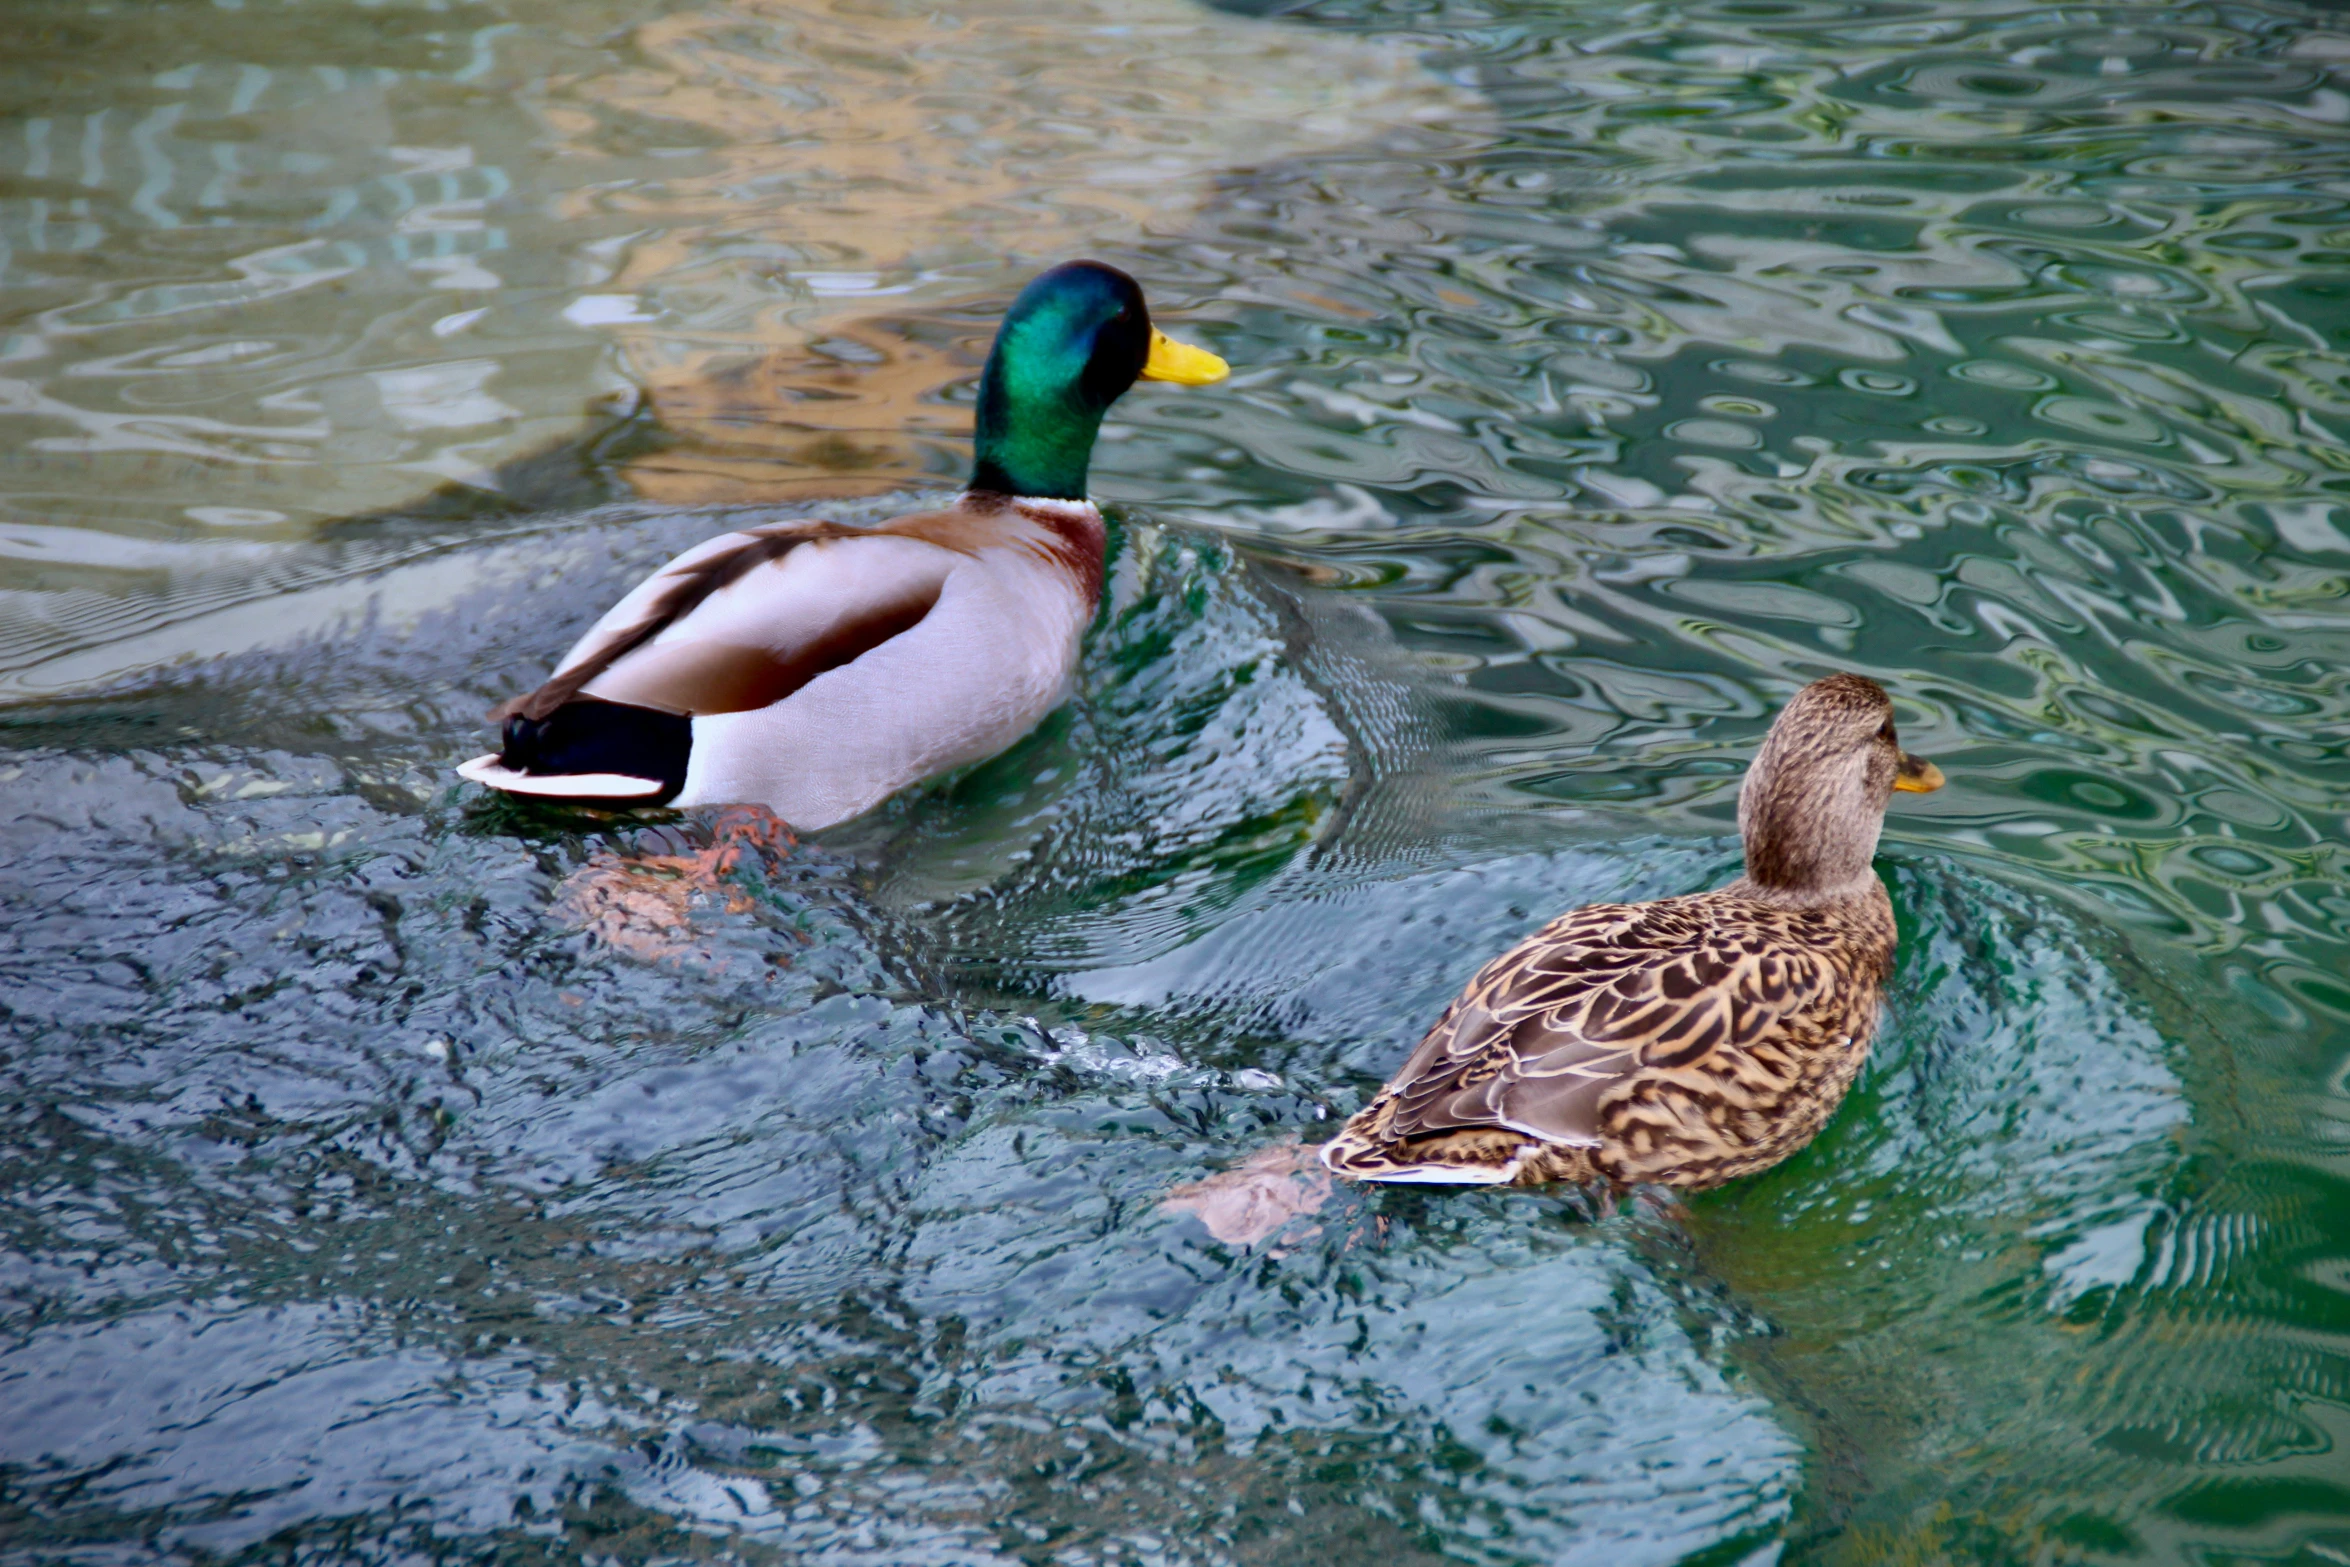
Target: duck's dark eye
1886	734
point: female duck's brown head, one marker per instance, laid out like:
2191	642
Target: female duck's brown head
1814	800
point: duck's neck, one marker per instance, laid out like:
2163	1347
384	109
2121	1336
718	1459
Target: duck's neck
1810	837
1035	429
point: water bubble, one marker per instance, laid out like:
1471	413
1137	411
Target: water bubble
1880	383
2000	373
2098	418
2001	84
1714	432
2064	215
1762	373
236	516
2134	284
2229	860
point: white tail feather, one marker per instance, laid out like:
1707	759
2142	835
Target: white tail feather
563	786
1431	1174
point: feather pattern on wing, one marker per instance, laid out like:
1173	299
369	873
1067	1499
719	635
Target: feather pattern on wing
667	599
1684	1041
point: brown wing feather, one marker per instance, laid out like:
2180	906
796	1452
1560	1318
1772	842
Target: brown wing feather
691	585
1544	1031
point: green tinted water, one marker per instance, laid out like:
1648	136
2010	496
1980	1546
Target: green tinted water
396	1175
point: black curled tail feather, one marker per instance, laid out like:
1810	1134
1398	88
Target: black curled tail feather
590	735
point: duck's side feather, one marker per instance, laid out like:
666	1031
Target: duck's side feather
665	600
1598	1036
991	658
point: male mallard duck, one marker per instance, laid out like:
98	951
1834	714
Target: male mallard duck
815	668
1686	1041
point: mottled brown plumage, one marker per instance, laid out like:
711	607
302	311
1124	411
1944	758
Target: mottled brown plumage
1687	1041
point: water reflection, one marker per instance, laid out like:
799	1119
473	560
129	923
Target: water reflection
262	286
876	158
1679	358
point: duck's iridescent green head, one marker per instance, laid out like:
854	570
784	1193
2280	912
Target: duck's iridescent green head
1070	346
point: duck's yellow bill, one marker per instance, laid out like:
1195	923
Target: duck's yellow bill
1916	775
1182	364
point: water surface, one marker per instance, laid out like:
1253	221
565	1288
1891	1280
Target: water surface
398	1174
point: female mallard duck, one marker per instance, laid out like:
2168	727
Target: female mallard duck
1687	1041
815	668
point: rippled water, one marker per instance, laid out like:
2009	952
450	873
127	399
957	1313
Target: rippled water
396	1174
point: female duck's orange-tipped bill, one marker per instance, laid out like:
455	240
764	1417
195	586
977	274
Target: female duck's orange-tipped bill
1916	775
493	771
1182	364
